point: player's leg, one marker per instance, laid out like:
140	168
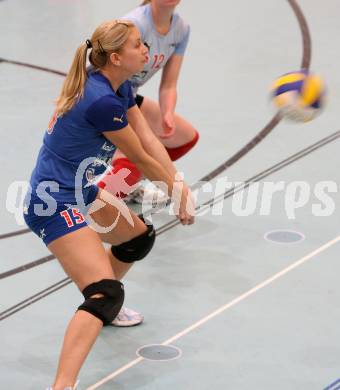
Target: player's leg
185	133
80	251
131	242
85	261
128	228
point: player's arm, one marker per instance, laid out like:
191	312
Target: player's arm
168	92
113	121
150	142
128	142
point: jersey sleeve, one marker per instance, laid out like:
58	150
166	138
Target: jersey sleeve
182	45
106	115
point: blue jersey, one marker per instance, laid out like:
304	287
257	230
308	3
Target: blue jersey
75	141
161	47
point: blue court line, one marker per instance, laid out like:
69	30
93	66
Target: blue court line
330	387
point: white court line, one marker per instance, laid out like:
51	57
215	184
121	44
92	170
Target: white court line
223	308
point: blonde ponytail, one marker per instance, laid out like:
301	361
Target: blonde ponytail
109	37
145	2
73	87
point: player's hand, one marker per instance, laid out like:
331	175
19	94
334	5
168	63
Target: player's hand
185	210
168	124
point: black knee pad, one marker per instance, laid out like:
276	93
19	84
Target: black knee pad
107	307
137	248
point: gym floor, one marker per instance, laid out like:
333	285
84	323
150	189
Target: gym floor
248	299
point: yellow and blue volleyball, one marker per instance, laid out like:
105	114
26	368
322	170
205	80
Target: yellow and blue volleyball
299	96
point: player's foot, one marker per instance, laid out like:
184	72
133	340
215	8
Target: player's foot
67	388
147	193
127	317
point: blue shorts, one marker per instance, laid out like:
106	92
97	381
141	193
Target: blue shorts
64	220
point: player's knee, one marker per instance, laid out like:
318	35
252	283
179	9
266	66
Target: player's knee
137	248
179	151
107	306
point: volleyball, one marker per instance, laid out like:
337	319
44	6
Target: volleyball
299	96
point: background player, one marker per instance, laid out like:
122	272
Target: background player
166	35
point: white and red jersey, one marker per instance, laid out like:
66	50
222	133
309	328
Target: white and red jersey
161	47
